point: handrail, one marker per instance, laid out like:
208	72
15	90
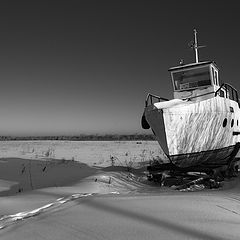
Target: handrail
226	85
188	98
230	89
151	96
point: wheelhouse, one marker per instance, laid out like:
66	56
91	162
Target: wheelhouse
194	79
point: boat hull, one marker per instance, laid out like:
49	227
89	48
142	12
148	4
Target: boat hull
210	159
195	133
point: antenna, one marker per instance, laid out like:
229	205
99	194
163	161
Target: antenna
194	45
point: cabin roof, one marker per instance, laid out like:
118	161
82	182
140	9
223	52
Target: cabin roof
192	65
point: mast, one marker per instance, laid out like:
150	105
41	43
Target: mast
195	46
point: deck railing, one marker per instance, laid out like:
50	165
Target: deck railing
153	98
230	91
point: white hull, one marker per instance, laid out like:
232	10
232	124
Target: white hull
192	133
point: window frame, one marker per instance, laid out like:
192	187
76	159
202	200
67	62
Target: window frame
188	69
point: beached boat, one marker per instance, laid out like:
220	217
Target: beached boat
200	127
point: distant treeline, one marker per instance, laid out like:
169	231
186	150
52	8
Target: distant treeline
108	137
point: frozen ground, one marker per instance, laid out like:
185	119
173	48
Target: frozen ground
89	152
48	196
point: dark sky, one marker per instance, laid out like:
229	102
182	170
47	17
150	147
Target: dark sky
70	67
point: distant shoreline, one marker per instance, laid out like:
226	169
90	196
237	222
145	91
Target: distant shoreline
107	137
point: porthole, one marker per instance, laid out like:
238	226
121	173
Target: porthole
232	122
225	122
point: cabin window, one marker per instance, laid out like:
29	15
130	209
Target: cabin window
213	76
191	78
216	78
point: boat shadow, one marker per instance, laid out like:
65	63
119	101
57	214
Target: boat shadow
20	175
